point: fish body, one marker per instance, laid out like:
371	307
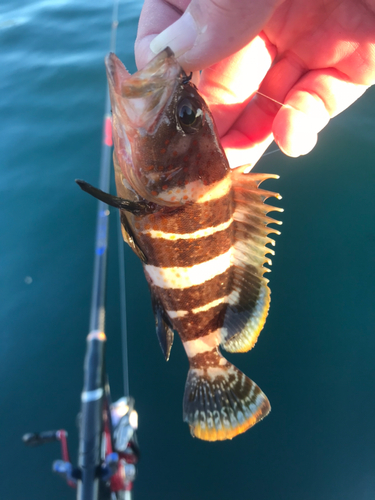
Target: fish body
201	232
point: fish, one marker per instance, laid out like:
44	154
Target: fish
201	230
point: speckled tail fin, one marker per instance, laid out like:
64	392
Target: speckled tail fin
220	402
250	297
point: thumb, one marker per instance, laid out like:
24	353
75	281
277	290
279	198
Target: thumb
211	30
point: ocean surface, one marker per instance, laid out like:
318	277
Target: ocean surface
314	359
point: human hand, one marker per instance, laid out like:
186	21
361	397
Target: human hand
316	57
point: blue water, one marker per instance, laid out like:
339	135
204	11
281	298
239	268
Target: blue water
314	359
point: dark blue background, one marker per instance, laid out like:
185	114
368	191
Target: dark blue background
314	359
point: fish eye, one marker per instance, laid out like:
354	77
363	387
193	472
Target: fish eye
189	116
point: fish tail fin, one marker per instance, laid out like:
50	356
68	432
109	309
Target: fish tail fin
220	402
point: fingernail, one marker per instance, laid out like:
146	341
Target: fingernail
179	36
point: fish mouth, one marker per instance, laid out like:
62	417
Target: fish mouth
138	100
138	104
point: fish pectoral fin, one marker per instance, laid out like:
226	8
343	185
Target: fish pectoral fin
164	328
250	296
220	402
134	207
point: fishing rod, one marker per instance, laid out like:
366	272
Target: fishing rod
108	449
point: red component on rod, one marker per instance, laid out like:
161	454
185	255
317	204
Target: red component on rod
62	436
108	131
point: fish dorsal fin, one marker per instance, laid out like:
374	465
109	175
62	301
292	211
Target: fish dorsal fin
164	329
249	300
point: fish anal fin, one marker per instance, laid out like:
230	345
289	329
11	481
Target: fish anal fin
220	402
164	328
249	300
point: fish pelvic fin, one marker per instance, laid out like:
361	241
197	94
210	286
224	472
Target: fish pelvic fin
164	328
220	402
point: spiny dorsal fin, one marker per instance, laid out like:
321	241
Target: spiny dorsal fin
250	297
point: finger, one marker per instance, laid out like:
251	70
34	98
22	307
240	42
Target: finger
317	97
251	134
239	153
155	17
228	85
208	30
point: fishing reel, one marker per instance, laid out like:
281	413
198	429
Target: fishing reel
119	445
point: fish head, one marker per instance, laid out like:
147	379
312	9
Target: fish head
164	136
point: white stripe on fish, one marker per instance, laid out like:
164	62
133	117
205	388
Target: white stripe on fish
197	191
201	233
206	307
185	277
176	314
203	344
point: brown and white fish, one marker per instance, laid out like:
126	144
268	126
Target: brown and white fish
201	231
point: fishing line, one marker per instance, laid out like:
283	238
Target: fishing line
275	100
121	253
256	92
97	315
278	150
124	330
196	79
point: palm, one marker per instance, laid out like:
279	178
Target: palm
323	54
327	33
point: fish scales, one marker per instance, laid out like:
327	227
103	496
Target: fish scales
206	237
194	296
201	231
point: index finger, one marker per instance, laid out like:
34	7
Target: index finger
228	86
